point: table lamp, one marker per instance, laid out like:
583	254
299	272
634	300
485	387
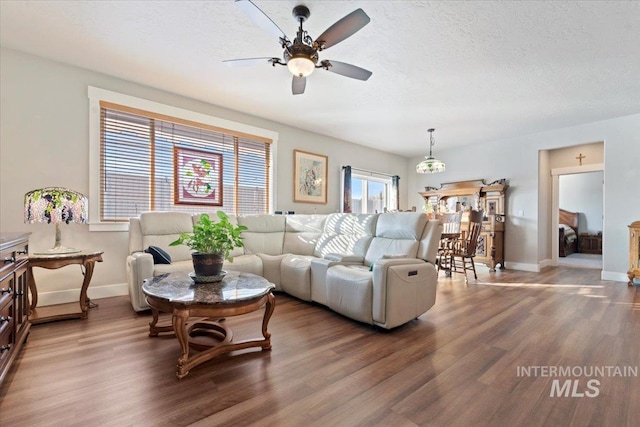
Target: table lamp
55	205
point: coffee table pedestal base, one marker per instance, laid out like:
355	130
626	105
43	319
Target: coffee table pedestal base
208	334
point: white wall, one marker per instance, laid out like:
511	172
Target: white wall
517	159
568	156
44	141
582	193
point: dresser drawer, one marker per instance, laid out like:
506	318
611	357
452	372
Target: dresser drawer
6	340
6	343
6	318
7	289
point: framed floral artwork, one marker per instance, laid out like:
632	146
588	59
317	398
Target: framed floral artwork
197	177
309	177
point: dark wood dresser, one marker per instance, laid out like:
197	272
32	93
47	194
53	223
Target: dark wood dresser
14	297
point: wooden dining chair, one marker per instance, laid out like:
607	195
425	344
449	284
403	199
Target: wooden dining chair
464	250
451	223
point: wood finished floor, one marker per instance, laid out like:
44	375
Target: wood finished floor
455	365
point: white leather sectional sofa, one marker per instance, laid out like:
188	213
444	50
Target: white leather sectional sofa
377	269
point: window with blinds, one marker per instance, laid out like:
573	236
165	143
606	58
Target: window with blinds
138	169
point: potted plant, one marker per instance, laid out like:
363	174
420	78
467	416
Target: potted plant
211	242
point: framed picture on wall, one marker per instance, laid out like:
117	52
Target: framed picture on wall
197	177
491	207
309	177
494	206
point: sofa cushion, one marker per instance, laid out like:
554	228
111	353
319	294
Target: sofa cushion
271	268
295	276
346	234
162	228
401	225
302	233
160	256
264	234
250	263
161	223
244	263
397	233
174	267
350	291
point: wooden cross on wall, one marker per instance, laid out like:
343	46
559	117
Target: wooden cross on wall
580	157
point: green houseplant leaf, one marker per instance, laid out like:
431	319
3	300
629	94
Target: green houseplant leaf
213	237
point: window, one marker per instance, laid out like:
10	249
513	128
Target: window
135	158
369	194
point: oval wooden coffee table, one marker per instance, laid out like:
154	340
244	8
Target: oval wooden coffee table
238	293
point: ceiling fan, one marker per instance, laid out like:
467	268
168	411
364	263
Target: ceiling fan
301	56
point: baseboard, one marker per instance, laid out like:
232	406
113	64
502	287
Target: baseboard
615	276
534	268
73	295
545	263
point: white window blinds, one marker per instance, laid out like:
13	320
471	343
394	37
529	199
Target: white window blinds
139	166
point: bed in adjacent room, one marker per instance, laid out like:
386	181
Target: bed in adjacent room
568	232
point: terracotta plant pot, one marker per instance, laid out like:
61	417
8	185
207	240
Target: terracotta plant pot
206	265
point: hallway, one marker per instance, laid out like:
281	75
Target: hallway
580	260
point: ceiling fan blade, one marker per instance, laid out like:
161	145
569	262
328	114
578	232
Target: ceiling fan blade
260	19
347	70
298	84
346	27
247	62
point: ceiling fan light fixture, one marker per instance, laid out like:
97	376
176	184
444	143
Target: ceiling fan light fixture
430	164
300	54
301	66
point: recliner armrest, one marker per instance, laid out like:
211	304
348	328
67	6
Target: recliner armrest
384	263
142	260
139	267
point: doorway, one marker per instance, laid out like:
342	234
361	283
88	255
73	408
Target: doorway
583	193
582	182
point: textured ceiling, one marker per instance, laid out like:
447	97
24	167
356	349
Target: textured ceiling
476	71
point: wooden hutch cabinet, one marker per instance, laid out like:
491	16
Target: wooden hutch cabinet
476	195
14	297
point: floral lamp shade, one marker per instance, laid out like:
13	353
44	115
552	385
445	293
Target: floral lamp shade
55	205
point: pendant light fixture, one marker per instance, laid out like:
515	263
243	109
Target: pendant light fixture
430	164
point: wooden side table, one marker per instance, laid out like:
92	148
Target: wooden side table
62	311
591	243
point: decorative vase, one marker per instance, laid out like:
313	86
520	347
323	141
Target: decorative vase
207	265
